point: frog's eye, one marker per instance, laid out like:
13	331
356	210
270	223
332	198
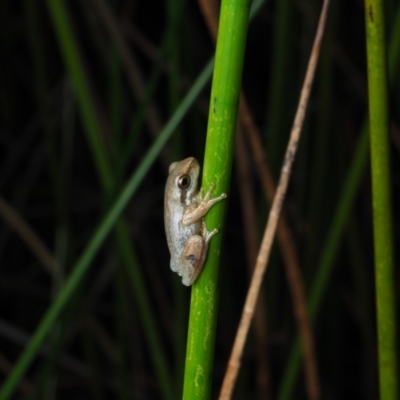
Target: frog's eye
184	181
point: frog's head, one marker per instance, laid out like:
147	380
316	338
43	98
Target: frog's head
184	176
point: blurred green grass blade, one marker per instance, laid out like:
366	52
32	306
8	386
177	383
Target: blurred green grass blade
91	123
381	197
224	100
82	265
61	24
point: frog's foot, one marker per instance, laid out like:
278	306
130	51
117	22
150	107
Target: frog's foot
211	201
198	210
207	235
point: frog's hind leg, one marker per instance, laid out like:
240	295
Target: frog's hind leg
194	255
192	259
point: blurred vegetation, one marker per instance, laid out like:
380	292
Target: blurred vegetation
90	94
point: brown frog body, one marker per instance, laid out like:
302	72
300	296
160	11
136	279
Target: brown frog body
184	209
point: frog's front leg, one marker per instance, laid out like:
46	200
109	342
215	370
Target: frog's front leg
200	208
194	255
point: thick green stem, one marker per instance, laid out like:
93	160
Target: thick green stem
217	169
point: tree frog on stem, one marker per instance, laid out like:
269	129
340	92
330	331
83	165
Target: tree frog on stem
184	209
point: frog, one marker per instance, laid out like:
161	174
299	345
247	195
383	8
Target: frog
184	210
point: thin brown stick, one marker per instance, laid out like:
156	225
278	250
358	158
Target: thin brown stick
250	229
289	254
265	249
27	235
209	9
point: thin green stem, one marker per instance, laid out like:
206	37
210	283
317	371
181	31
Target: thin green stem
381	197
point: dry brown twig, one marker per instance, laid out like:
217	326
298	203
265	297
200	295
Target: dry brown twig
290	258
249	216
265	249
289	254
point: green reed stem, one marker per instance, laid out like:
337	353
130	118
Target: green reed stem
381	197
220	140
